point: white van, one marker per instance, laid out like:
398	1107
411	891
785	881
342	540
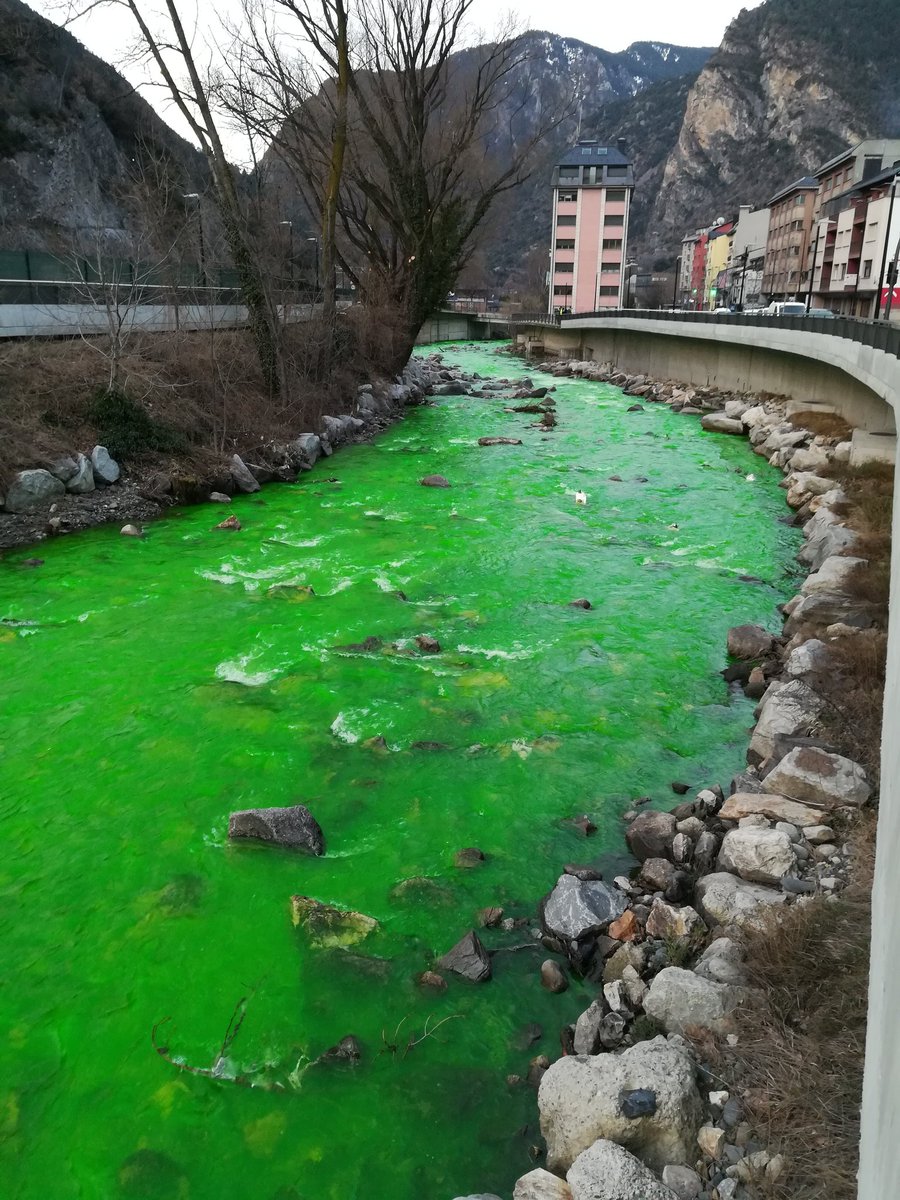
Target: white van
786	308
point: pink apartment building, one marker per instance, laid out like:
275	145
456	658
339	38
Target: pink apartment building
592	189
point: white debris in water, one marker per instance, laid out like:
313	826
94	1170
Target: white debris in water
341	729
511	655
236	672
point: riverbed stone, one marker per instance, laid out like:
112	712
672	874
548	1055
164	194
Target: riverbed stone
307	448
814	776
679	999
768	804
650	835
587	1028
541	1185
606	1171
580	1101
468	958
293	827
749	642
30	489
241	475
81	481
104	467
757	855
328	927
726	899
720	423
809	659
434	481
553	978
577	909
788	710
669	921
684	1182
825	535
722	962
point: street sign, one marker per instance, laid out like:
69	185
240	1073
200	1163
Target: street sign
885	292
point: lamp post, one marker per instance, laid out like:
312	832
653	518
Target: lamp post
195	196
677	281
316	240
290	229
812	270
887	238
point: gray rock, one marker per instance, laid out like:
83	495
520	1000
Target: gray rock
719	423
758	855
669	921
749	642
705	852
294	827
587	1028
658	874
435	481
30	489
577	909
105	469
725	899
579	1102
241	476
81	481
679	999
639	1103
650	835
64	468
787	710
307	448
553	978
813	776
468	958
797	887
773	807
682	849
685	1183
722	962
612	1030
541	1185
606	1171
791	830
825	536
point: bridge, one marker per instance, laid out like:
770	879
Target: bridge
847	366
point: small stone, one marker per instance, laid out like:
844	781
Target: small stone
435	481
818	834
612	1031
229	523
638	1103
791	830
553	978
219	498
616	996
541	1185
490	918
711	1141
587	1028
732	1112
431	979
626	928
679	788
585	604
469	959
131	531
775	1168
797	887
428	645
682	1182
471	856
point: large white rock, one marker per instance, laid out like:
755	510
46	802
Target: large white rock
816	777
104	466
755	416
82	481
758	855
770	805
580	1100
832	576
725	899
720	423
787	709
541	1185
722	962
810	658
241	476
576	909
825	536
679	999
29	489
812	459
607	1172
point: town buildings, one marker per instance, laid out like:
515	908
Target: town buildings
787	246
592	191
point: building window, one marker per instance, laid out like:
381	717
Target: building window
617	221
609	291
565	243
562	289
570	172
798	200
796	224
565	220
867	269
565	268
616	195
616	172
612	243
567	197
610	266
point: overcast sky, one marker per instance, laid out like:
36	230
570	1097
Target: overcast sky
610	24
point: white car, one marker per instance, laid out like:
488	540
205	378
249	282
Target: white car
786	308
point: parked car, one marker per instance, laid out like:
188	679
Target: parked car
821	312
722	311
786	308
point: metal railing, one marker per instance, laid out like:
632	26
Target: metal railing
881	335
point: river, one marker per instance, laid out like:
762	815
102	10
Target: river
151	687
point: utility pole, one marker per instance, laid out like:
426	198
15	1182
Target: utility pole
677	281
892	283
884	257
744	259
812	270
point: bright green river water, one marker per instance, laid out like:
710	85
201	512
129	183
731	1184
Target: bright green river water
157	685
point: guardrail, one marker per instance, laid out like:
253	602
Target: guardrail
127	293
881	335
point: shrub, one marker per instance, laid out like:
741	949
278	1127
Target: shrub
126	429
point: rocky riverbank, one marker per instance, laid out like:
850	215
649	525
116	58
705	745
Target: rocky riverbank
635	1106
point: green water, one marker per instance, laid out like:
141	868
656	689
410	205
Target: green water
159	684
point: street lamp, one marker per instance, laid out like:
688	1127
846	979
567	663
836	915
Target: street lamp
316	240
290	229
887	238
677	281
195	196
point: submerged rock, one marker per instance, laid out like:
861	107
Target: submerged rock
468	958
293	827
499	441
329	927
435	481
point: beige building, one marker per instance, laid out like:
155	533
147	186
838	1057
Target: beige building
791	214
748	252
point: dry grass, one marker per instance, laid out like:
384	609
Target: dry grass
822	424
801	1043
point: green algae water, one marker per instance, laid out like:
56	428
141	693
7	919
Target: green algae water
151	687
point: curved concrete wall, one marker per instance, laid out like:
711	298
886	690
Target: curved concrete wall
862	384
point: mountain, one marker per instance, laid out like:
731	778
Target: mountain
82	155
793	82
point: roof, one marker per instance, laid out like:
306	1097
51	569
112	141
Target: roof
806	184
594	153
865	185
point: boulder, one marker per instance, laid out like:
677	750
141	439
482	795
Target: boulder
30	489
812	459
749	641
576	909
605	1171
726	899
134	531
241	476
769	805
105	469
435	481
722	962
787	709
307	448
468	958
658	875
650	835
720	423
834	575
810	658
825	536
588	1028
679	999
81	481
499	441
683	1181
580	1101
813	776
541	1185
758	855
294	827
669	921
219	498
329	927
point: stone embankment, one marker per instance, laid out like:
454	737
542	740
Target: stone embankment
632	1108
